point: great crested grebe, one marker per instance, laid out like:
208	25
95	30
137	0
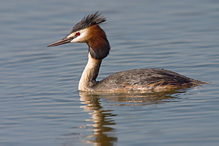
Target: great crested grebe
140	80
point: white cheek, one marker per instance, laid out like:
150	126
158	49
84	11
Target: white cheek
80	39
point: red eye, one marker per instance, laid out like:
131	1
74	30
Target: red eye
78	33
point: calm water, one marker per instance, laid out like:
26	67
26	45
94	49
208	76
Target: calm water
40	104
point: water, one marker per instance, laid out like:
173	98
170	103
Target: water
40	104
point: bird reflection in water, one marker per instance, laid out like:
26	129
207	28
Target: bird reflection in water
102	120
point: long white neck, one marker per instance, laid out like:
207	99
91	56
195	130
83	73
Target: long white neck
89	75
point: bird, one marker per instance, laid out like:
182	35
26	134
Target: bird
144	80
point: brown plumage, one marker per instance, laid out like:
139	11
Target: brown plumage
99	46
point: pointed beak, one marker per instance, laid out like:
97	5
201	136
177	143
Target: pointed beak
62	41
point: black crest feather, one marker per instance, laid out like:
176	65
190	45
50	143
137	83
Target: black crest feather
89	20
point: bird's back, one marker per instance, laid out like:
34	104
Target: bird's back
145	80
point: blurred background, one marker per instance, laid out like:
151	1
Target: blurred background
39	101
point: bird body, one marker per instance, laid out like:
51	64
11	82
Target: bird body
145	80
140	80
